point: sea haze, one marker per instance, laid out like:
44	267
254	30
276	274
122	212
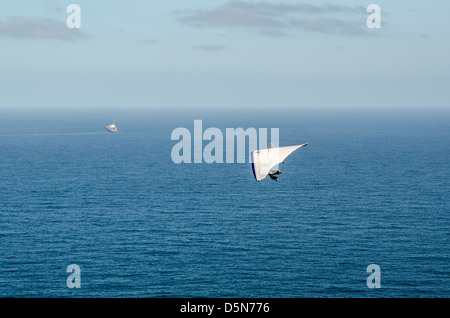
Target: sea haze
371	188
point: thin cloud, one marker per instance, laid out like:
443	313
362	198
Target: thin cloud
277	19
212	48
229	16
21	27
276	33
148	41
54	9
330	26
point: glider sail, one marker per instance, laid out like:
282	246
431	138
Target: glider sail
265	159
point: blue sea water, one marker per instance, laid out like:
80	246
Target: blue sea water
371	188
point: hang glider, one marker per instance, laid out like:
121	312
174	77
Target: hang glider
265	159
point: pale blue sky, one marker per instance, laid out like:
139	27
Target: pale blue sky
223	54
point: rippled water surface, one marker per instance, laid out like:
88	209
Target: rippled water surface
369	189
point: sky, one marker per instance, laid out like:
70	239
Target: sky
220	54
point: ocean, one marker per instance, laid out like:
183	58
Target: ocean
372	187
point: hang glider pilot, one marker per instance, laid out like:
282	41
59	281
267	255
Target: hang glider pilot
273	173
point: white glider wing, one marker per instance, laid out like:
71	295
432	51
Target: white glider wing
265	159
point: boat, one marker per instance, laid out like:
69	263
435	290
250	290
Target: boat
111	128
